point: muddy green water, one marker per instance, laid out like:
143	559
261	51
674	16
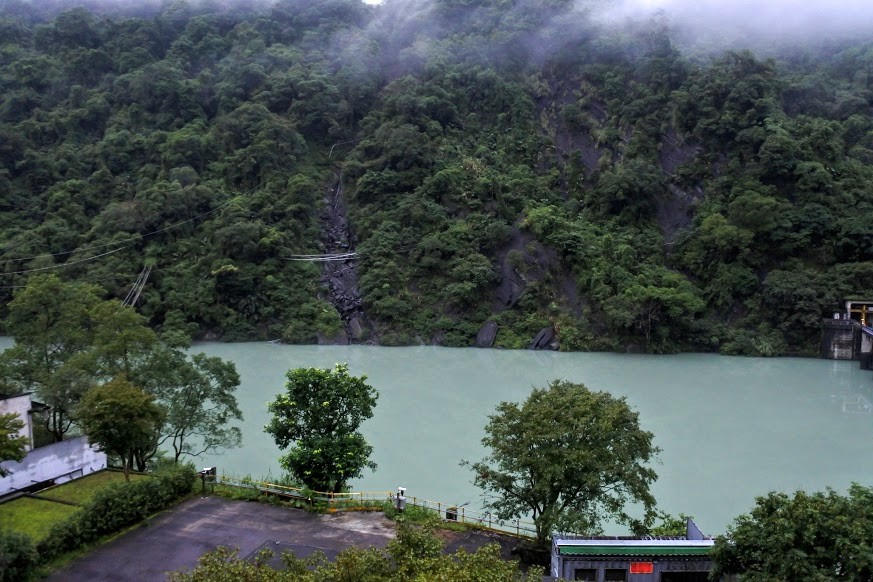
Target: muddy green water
730	428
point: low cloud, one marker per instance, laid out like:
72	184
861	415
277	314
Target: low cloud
754	21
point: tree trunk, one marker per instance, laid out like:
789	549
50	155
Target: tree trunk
54	424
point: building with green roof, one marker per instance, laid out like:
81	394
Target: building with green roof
637	559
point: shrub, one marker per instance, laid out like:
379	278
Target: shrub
116	507
764	342
413	514
17	556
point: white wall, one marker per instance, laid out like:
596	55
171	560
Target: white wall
59	461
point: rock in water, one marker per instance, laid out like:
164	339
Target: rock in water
485	337
543	339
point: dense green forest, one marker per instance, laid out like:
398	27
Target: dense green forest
513	161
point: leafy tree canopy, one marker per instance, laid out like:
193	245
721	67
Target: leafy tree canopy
68	339
120	418
317	418
201	405
413	555
569	458
817	536
54	328
12	446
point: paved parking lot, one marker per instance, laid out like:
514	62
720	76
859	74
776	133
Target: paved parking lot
176	539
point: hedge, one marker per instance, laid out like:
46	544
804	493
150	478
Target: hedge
115	507
17	556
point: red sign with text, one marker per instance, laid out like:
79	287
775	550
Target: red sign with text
641	567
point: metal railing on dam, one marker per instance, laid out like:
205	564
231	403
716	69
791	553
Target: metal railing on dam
370	500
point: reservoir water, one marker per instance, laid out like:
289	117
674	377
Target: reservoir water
730	428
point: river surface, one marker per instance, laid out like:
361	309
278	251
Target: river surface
729	428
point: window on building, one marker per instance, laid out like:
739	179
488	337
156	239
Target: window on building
615	575
585	574
684	576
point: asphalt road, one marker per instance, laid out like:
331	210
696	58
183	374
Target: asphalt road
176	539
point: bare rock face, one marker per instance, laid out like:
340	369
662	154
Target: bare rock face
339	278
511	287
356	328
485	337
543	340
340	339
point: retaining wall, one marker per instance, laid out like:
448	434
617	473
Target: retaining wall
60	462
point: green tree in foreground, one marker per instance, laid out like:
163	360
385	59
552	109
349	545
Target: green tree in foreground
318	418
12	446
569	458
817	537
414	555
67	339
120	418
200	404
51	321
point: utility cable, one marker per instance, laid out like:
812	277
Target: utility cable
349	256
323	259
135	289
322	255
123	241
132	287
62	264
344	143
142	236
145	277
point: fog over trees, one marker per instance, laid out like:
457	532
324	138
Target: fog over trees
592	176
721	24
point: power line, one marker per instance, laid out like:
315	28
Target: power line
344	143
121	245
136	289
322	255
62	264
123	241
133	288
100	280
323	258
142	236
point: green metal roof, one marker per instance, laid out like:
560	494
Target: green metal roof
614	550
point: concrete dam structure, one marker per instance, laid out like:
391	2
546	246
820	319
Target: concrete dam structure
848	336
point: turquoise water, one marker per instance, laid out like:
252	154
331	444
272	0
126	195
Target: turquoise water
730	428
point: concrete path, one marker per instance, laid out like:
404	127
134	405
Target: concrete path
176	539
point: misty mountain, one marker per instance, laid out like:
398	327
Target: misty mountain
582	175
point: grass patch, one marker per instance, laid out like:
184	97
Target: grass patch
80	491
66	558
34	517
428	517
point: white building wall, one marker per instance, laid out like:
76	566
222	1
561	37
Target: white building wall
59	461
20	405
